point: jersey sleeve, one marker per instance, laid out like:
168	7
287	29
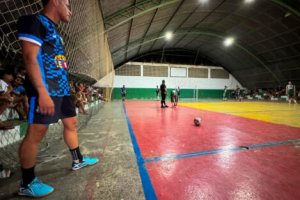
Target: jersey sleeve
3	86
31	29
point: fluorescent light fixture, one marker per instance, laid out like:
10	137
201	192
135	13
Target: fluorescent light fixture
287	14
249	1
203	1
228	41
169	35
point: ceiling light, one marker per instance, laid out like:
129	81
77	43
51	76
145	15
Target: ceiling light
169	35
249	1
203	1
228	41
287	14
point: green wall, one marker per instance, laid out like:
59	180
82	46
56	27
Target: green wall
149	93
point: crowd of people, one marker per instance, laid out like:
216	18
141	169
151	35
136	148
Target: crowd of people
84	94
288	93
13	95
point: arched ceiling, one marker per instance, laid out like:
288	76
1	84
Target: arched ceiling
266	52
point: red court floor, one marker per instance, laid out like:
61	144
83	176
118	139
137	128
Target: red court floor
211	162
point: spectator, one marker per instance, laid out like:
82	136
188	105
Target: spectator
4	173
19	96
101	97
86	92
89	90
5	98
80	99
72	88
21	72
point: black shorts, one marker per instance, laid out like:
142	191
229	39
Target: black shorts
64	108
163	97
291	93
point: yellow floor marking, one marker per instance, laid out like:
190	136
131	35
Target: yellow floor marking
279	113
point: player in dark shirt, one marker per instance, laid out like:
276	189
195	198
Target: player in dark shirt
48	91
238	94
123	93
163	90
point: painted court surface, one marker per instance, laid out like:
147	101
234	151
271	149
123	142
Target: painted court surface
242	150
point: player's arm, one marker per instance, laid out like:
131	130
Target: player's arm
30	52
5	98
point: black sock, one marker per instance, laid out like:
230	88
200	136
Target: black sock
76	155
27	176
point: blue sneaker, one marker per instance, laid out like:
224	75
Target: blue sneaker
86	161
35	189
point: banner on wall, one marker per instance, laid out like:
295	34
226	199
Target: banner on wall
178	72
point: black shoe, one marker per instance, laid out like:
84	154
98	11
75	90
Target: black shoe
162	107
166	106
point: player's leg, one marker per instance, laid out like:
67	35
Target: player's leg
31	185
71	136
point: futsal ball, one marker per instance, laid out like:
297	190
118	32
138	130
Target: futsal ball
197	121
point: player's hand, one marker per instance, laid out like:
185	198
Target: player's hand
9	98
46	105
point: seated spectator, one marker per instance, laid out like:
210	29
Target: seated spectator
72	86
88	93
80	99
5	98
21	72
4	173
101	97
83	92
13	94
267	94
20	98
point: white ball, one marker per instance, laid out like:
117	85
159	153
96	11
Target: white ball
197	121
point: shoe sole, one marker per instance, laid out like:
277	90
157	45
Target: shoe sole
37	197
85	166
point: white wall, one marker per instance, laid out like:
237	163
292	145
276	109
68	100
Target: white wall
174	82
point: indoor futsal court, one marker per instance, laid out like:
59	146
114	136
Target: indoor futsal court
150	99
241	150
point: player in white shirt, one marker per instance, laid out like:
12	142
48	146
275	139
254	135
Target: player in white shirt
291	92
